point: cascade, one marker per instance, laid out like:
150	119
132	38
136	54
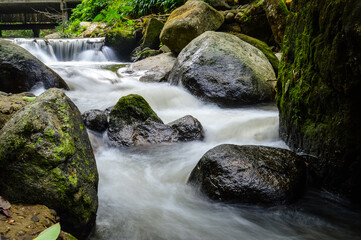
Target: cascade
65	50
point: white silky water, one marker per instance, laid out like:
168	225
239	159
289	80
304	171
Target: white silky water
143	191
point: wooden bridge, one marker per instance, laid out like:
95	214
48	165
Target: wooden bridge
34	14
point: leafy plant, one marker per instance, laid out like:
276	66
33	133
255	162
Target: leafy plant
50	233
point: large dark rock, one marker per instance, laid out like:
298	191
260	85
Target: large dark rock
11	103
46	158
318	90
221	68
250	174
20	71
188	22
133	122
96	120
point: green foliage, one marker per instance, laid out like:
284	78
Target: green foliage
17	33
144	7
50	233
89	9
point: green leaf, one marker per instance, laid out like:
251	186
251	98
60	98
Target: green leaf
50	233
29	99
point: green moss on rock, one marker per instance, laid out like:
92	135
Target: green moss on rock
318	90
46	158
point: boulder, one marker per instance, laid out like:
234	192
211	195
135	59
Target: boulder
277	13
157	68
140	53
152	32
132	122
11	103
250	174
96	120
29	221
221	68
46	158
188	128
122	41
20	71
318	90
187	22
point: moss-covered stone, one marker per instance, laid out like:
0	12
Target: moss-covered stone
20	71
151	34
122	41
318	90
132	108
187	22
46	158
267	51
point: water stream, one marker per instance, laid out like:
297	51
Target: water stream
143	192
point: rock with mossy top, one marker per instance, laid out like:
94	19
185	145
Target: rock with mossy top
20	71
122	41
133	122
250	174
46	158
188	22
153	28
221	68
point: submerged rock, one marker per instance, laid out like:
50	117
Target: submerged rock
250	174
20	71
187	22
133	122
221	68
318	90
11	103
96	120
46	158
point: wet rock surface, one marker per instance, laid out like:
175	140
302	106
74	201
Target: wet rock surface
250	174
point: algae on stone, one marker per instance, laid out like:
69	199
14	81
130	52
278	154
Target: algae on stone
46	158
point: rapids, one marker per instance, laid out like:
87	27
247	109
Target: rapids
142	190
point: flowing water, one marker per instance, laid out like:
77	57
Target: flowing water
142	190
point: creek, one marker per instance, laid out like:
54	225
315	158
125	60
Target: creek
142	190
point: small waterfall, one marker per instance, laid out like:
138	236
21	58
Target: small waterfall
65	50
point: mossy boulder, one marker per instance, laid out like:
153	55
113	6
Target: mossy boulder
221	68
20	71
188	22
267	51
250	174
153	28
318	90
133	122
11	103
46	158
122	41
